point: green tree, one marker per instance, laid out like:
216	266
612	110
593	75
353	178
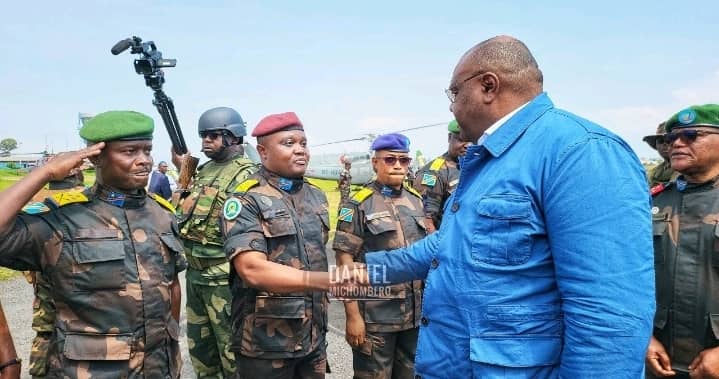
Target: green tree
7	145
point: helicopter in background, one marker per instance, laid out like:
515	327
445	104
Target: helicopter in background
329	165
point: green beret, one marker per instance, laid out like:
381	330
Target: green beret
696	115
118	125
453	126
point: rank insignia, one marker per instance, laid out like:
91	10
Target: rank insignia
232	208
346	214
429	180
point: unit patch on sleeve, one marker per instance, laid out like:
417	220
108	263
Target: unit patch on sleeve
429	180
346	214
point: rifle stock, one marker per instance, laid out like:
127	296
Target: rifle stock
187	170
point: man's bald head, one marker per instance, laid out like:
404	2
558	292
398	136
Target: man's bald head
511	60
491	80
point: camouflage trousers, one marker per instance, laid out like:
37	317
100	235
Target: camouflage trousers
311	366
43	323
386	355
38	355
209	331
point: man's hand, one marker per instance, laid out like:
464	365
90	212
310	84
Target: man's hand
705	365
177	159
658	360
355	330
65	164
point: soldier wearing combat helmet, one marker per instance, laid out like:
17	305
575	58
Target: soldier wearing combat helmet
110	253
208	293
276	228
386	214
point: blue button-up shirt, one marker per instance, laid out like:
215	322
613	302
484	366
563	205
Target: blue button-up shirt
543	264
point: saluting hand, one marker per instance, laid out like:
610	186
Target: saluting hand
64	164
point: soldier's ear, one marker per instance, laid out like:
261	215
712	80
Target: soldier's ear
262	151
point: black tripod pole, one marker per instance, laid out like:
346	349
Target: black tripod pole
166	109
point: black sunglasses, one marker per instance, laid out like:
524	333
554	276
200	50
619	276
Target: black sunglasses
687	136
391	161
213	134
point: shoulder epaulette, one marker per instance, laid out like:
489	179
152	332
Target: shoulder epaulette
35	208
160	200
659	188
65	198
361	195
437	164
411	190
246	185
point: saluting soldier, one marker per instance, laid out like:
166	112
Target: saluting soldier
110	253
685	223
208	292
386	214
276	228
438	178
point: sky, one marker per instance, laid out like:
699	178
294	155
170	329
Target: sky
346	68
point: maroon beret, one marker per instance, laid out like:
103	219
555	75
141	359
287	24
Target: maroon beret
276	122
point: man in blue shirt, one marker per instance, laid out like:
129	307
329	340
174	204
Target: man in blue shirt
543	265
159	183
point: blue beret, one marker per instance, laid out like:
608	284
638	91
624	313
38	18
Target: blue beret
391	141
118	125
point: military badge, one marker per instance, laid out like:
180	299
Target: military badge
687	116
266	200
232	208
655	210
346	214
35	208
429	180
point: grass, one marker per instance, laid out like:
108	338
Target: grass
329	187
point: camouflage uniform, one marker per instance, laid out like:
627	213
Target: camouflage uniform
686	259
208	292
344	185
110	261
436	181
43	309
279	335
662	173
382	218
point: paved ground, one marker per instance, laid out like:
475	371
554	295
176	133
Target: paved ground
16	297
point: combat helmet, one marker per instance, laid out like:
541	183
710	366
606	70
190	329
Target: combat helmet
222	118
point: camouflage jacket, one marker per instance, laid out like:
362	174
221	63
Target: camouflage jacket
685	225
292	229
199	212
435	182
380	218
110	262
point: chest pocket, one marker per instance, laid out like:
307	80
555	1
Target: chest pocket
381	222
503	234
277	223
659	228
99	259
